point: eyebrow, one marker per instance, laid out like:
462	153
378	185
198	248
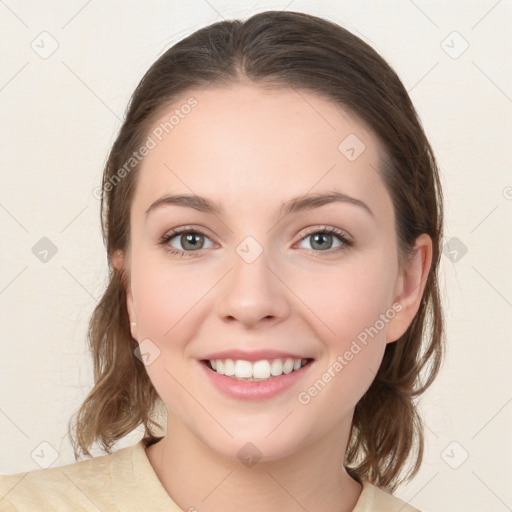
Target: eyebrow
294	205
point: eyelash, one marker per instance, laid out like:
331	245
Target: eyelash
347	243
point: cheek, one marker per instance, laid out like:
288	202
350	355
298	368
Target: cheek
351	312
167	304
166	301
348	302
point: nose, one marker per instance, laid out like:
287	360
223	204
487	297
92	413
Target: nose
253	293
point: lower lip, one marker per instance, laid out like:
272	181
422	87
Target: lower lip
250	390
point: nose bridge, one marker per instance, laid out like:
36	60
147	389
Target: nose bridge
252	291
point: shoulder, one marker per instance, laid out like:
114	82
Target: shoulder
81	486
374	499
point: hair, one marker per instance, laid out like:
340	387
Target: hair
311	54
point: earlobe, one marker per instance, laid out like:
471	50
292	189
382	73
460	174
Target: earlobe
131	312
410	287
118	261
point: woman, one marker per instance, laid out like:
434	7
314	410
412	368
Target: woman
273	215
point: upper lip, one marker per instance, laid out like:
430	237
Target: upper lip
254	355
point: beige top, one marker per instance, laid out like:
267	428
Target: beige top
122	481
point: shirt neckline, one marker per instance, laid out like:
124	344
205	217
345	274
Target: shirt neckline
146	492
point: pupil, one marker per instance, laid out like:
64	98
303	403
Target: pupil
189	239
317	236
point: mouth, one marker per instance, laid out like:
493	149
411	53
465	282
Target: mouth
257	371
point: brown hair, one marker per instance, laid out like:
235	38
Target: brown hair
287	49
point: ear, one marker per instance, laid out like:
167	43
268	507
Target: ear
118	260
409	287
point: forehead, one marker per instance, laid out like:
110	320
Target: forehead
244	141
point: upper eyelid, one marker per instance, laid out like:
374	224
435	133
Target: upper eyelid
186	229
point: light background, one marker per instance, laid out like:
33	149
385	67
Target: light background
61	114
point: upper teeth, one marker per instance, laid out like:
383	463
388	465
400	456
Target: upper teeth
263	369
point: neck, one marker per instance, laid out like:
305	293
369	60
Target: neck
198	478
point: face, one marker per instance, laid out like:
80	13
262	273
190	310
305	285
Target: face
267	274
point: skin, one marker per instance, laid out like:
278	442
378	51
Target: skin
250	150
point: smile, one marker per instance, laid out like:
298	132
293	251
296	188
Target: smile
264	369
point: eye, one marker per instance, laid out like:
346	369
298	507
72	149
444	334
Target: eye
188	242
322	240
185	240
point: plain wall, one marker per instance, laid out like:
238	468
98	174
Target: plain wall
60	115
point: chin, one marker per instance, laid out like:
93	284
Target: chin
259	444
